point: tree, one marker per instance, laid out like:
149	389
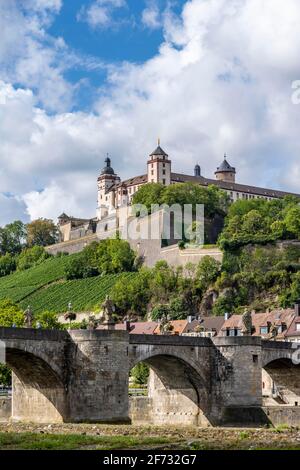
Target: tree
42	232
78	267
31	257
12	238
149	194
10	315
131	296
115	256
292	221
7	264
214	199
207	272
140	374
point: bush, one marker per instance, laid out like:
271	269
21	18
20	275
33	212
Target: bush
10	314
48	320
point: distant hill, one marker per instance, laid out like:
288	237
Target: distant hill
43	287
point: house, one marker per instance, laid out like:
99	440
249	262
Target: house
262	324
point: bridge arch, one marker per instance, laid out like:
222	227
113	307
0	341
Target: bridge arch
178	391
38	388
281	380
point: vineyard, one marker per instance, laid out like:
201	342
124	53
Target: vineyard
44	288
84	294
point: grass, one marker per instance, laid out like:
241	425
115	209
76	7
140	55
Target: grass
43	287
113	437
32	441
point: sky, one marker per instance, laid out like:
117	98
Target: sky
83	78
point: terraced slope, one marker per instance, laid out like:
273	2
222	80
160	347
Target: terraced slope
44	288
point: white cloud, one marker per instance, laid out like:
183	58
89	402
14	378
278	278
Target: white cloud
221	81
151	15
100	14
32	58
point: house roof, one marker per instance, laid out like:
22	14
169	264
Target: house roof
181	178
275	317
242	188
292	331
139	328
178	327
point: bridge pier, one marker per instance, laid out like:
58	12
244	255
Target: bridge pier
97	382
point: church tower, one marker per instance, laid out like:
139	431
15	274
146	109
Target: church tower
159	167
225	172
106	192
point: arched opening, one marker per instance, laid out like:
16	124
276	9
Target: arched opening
281	383
38	394
175	394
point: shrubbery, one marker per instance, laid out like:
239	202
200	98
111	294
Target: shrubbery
111	256
31	257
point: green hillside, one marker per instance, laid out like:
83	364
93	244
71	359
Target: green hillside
44	288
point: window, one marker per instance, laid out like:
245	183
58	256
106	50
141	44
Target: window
164	172
164	165
264	330
152	172
297	326
164	181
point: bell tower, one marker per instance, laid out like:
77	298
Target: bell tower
106	192
159	167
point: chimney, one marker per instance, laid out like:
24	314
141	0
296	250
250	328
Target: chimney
297	308
127	325
227	316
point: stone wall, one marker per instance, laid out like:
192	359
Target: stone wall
5	409
72	246
140	410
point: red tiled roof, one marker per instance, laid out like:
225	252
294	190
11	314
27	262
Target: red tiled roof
277	317
139	328
292	329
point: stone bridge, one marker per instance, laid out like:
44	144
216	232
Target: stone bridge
82	376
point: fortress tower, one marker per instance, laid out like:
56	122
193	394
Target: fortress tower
159	167
225	172
106	197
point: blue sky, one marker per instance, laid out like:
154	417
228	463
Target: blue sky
125	37
81	78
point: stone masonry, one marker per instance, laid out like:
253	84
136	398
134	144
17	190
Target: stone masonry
82	376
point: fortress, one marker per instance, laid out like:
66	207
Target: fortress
115	198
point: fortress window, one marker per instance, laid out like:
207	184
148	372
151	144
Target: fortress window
164	181
164	172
